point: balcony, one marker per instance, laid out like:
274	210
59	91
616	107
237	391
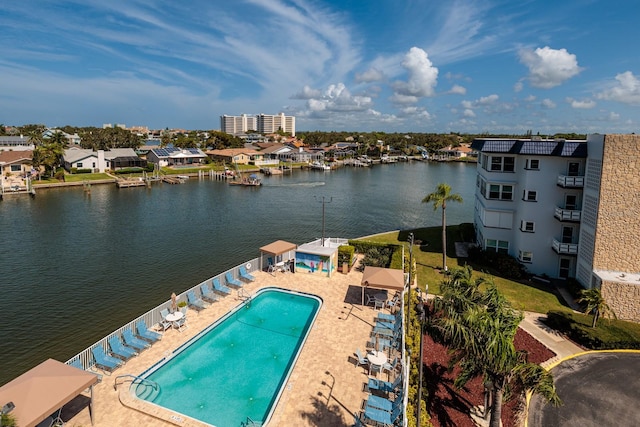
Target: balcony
570	181
565	248
567	214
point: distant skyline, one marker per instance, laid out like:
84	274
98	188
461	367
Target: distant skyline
414	66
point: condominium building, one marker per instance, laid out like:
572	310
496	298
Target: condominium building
280	122
263	123
236	125
565	209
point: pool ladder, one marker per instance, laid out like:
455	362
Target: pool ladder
148	384
251	423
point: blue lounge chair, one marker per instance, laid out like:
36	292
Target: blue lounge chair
391	318
77	363
219	287
244	275
382	417
145	333
378	402
133	341
207	294
104	361
119	349
231	281
195	302
384	386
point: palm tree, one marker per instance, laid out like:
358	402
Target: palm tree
439	198
596	304
479	328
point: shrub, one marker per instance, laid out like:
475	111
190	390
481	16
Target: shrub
128	170
505	265
83	171
378	254
59	175
346	254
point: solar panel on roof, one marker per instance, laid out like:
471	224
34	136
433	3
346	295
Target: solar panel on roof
574	149
543	148
498	146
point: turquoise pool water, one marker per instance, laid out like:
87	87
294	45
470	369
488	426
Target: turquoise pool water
237	367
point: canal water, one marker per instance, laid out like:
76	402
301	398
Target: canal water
76	266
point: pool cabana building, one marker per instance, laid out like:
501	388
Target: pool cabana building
315	258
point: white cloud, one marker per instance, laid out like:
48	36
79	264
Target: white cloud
518	86
530	98
307	93
626	90
486	100
549	67
338	98
371	75
467	104
547	103
423	76
469	113
613	116
458	90
397	98
584	104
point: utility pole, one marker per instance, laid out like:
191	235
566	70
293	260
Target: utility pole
323	203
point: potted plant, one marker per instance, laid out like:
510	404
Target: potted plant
182	305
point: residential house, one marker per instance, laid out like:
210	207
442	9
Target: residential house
101	160
173	156
240	156
16	143
16	163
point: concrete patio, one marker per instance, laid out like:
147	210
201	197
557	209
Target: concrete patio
325	387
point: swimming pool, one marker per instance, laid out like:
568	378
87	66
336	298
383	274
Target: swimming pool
236	368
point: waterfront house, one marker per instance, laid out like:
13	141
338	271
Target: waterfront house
173	156
101	160
240	156
16	163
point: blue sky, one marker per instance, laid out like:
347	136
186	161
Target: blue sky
387	65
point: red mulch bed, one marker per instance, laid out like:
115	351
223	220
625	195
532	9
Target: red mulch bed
448	406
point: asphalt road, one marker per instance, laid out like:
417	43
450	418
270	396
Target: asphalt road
601	389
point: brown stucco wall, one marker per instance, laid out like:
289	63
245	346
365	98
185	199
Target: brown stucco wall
617	242
623	298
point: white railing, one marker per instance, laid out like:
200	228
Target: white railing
268	162
565	248
152	317
571	181
567	214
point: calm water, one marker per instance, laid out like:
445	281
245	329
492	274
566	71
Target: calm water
246	358
75	267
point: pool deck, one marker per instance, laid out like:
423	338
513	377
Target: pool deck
325	387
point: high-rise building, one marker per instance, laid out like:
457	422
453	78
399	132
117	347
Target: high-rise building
262	123
236	125
565	209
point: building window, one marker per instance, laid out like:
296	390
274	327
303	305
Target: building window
530	196
528	226
533	164
500	192
79	164
499	246
503	164
525	256
16	168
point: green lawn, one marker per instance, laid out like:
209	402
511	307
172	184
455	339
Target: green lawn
427	252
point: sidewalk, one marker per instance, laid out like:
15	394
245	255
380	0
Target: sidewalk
552	339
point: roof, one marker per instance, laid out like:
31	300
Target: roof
278	247
231	152
75	154
7	157
44	389
383	278
558	147
175	152
317	249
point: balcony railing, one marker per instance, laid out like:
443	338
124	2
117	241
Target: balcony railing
571	181
567	214
565	248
